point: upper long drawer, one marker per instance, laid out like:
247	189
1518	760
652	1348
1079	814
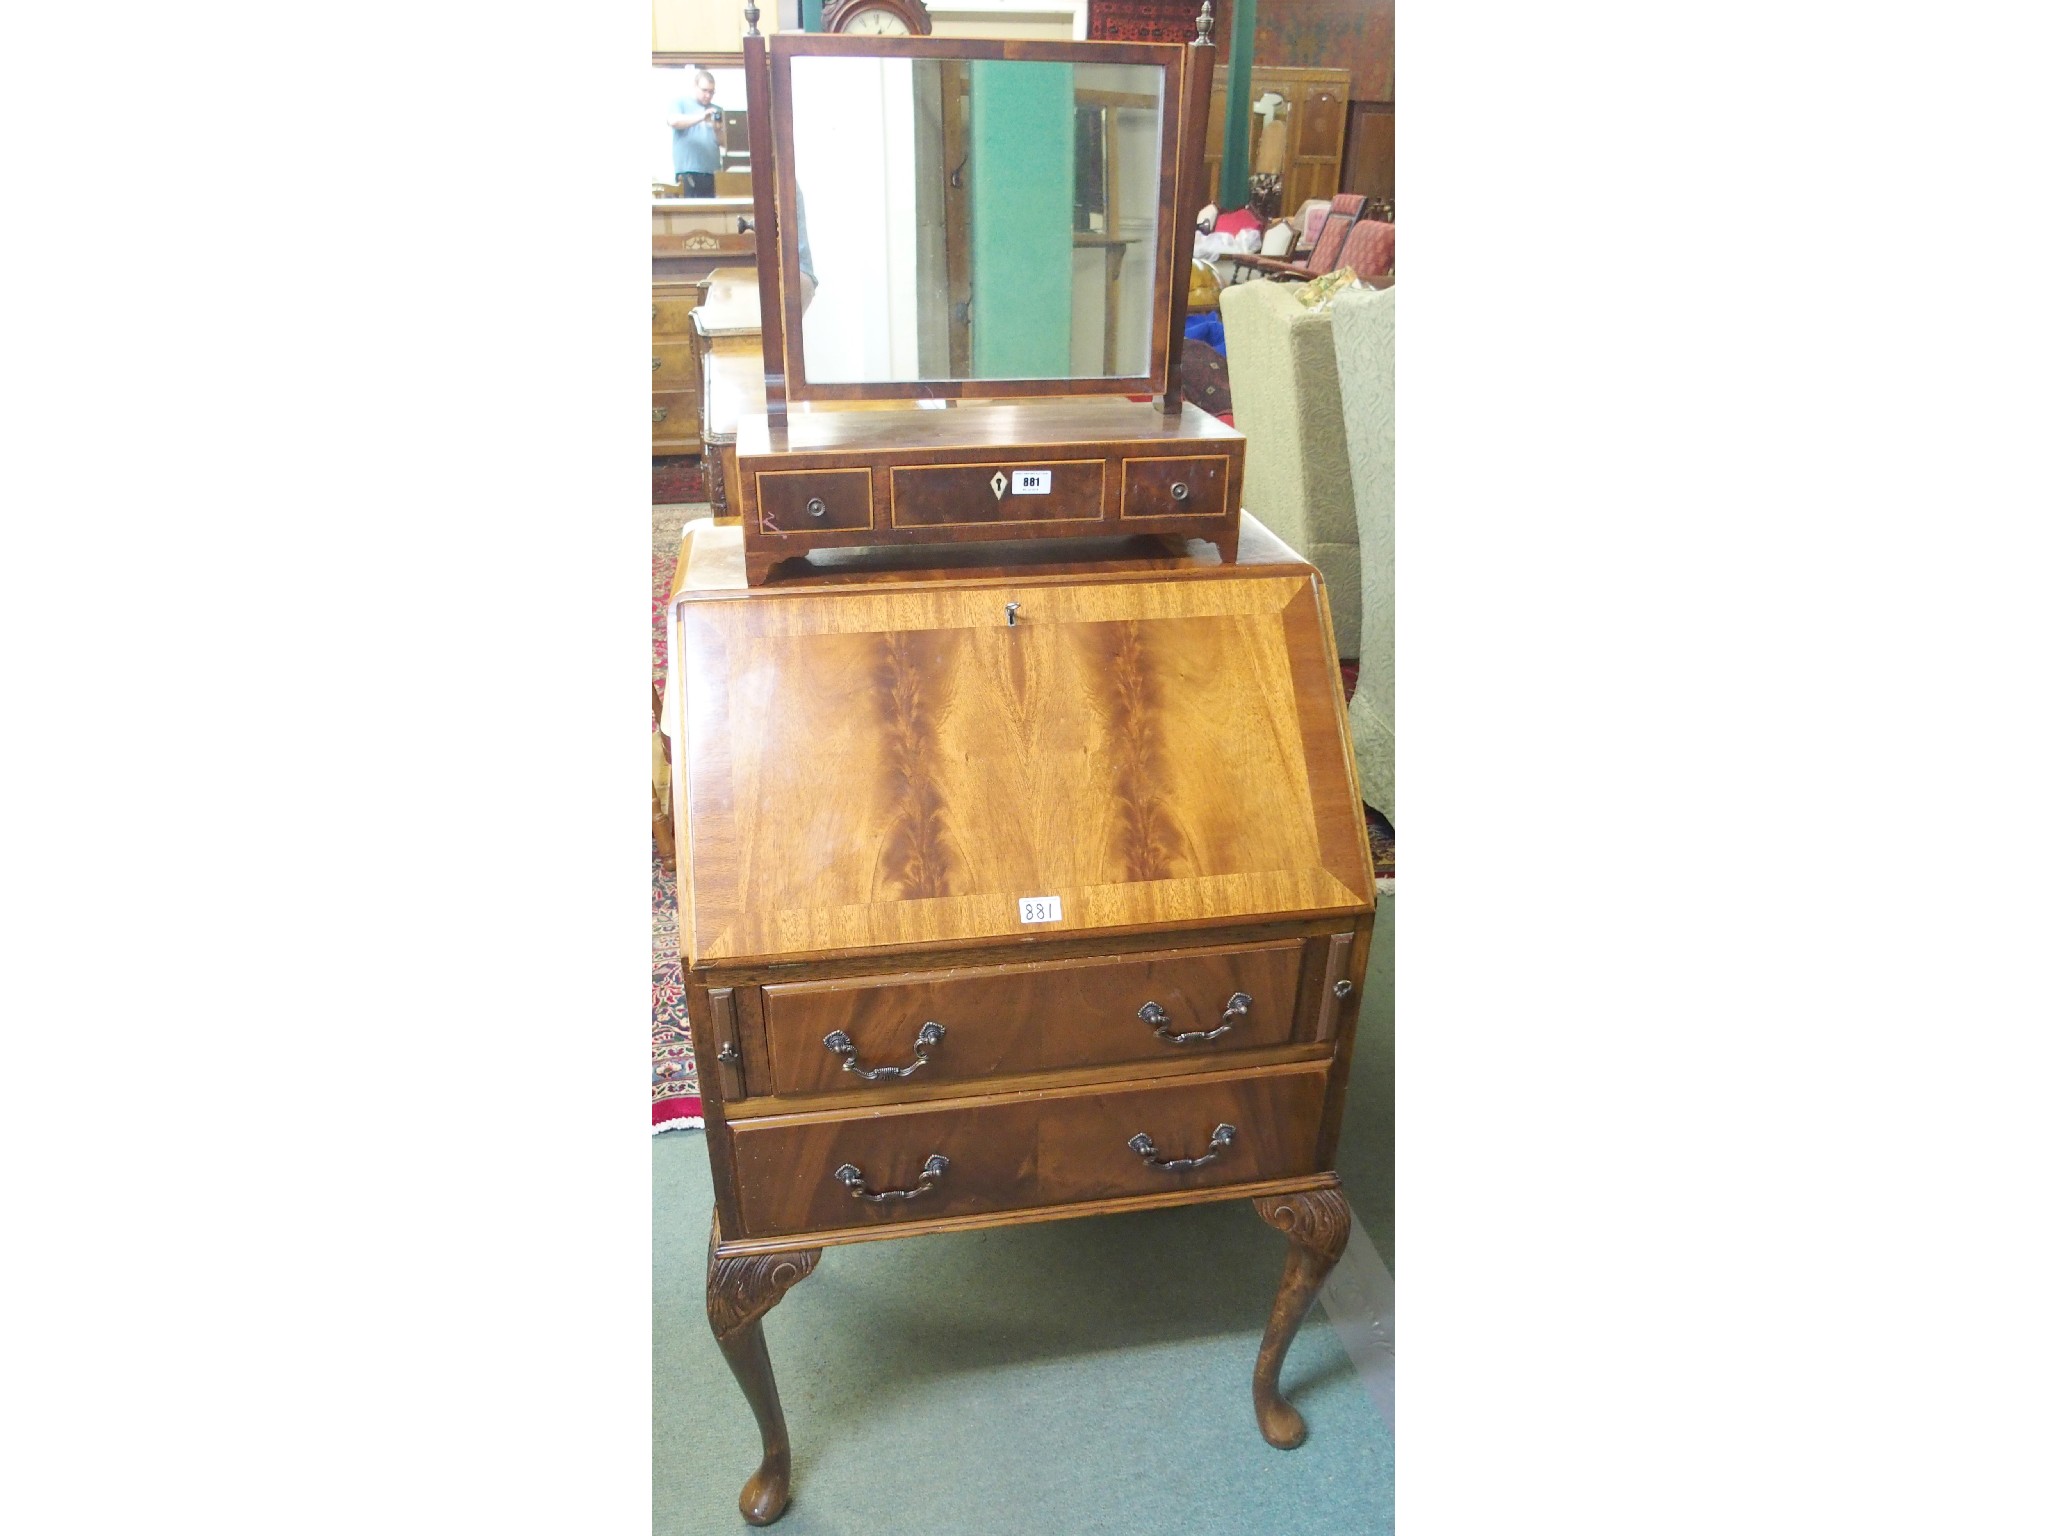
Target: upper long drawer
961	1027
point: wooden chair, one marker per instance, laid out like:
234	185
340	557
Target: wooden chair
1318	261
1368	251
664	813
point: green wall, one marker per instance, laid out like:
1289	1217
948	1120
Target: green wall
1020	147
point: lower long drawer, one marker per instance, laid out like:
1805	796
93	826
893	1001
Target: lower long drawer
816	1173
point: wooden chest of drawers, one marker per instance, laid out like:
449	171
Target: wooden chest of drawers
984	471
1010	895
677	388
684	266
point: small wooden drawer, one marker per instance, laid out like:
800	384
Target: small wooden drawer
1149	488
1028	1018
675	418
1024	1151
815	500
673	368
672	315
953	495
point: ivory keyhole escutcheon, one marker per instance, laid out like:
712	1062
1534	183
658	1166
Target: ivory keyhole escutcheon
998	484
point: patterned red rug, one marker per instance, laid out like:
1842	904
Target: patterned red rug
678	1101
678	478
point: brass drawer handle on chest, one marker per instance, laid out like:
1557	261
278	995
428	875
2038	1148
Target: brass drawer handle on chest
1239	1006
850	1176
1141	1144
657	366
815	506
840	1045
661	413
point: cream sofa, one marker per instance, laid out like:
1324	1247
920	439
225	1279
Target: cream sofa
1313	393
1297	476
1362	331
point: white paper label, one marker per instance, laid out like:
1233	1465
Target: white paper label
1038	909
1033	482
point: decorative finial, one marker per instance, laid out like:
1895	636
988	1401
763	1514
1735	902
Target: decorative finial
1204	25
753	15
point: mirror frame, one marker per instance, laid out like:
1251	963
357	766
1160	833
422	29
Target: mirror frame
1184	109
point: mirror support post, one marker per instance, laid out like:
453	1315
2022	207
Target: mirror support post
1197	70
761	110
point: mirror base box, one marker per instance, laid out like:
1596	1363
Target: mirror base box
1052	469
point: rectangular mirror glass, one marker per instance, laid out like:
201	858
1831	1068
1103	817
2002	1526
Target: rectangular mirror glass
976	218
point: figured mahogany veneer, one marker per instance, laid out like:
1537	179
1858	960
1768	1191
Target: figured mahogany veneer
1102	469
897	767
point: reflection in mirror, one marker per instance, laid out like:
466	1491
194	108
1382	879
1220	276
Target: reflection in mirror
712	154
977	218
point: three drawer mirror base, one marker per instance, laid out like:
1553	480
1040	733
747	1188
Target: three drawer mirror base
741	1289
738	1292
1318	1225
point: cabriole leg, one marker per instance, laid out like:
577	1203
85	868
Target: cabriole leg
1318	1224
737	1294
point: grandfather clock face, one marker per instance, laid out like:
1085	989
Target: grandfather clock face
876	23
878	18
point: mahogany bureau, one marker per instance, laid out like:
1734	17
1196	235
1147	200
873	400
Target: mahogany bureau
1012	889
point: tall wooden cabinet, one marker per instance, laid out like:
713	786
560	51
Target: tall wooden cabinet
1317	111
691	240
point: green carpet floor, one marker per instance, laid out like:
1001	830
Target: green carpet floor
1076	1376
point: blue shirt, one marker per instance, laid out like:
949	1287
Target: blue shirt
693	149
803	241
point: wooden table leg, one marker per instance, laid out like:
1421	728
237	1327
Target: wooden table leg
737	1294
1318	1224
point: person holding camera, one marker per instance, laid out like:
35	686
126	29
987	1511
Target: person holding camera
694	139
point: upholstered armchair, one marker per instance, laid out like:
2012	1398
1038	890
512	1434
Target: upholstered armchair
1321	258
1362	335
1284	399
1368	250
